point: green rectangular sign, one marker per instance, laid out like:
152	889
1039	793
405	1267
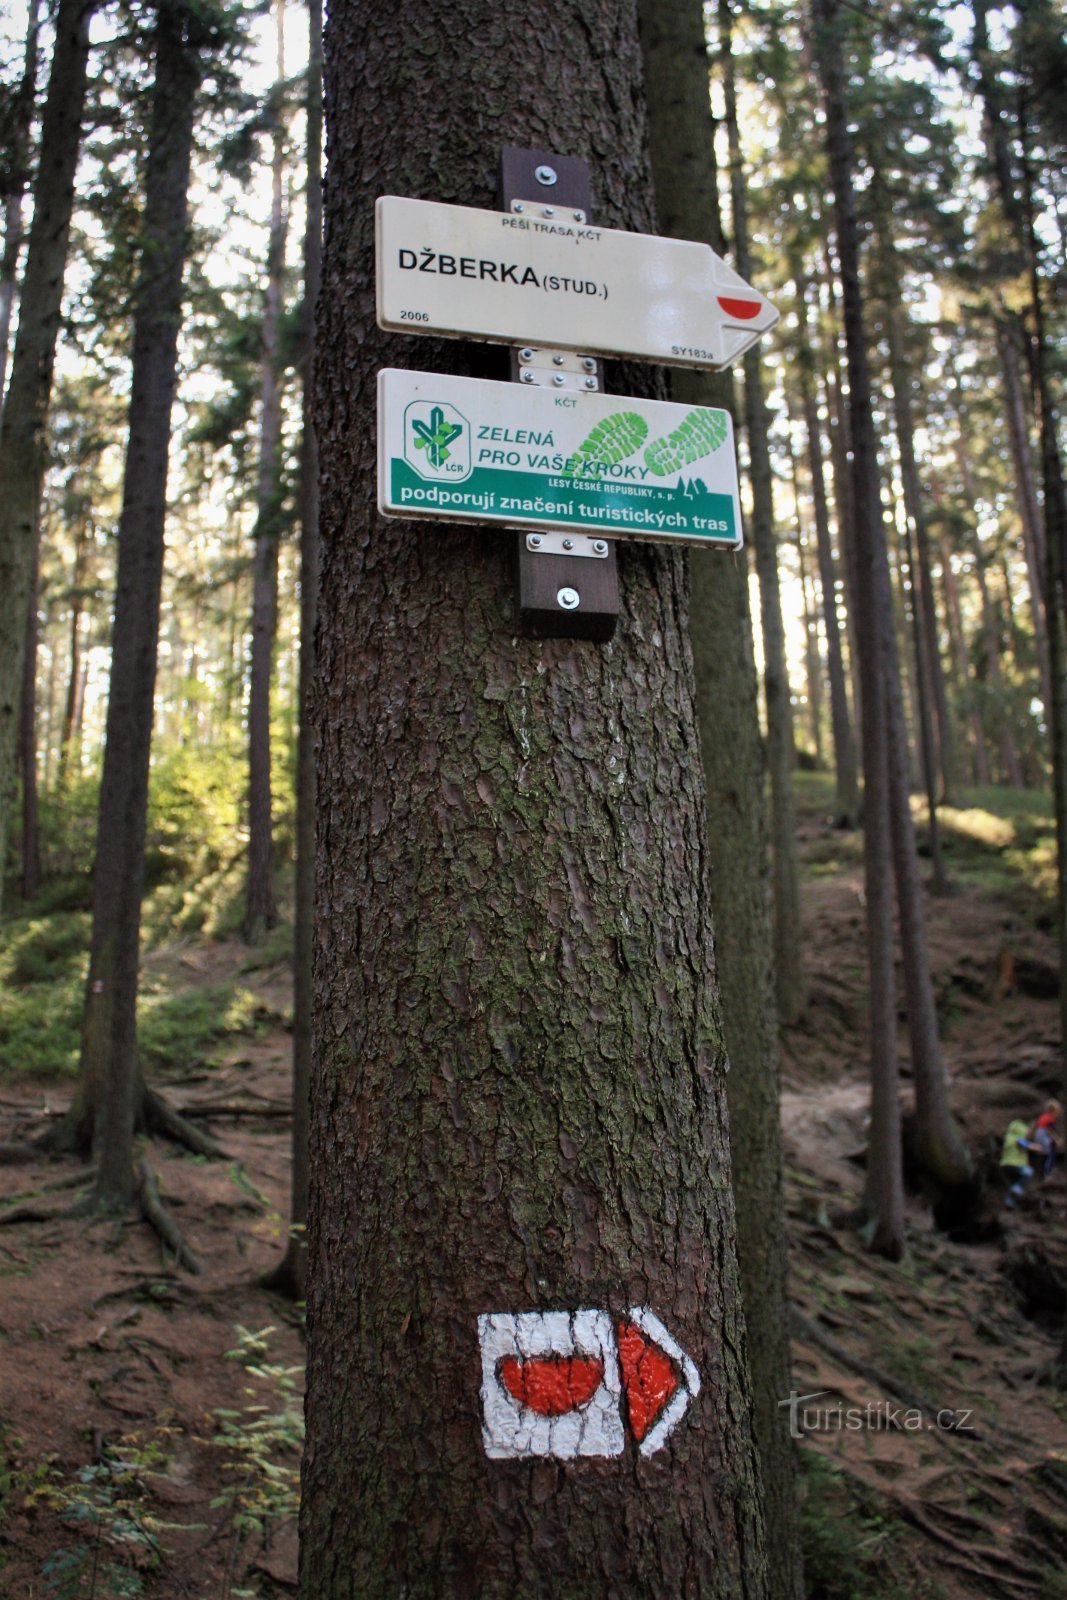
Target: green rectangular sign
608	466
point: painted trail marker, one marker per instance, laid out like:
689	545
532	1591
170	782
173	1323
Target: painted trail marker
607	466
569	1384
553	280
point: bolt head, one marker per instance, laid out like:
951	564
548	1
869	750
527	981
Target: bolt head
549	211
569	599
588	363
526	355
558	379
533	540
568	544
557	361
546	175
590	383
526	375
517	205
600	546
579	216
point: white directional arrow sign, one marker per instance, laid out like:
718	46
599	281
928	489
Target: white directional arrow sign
547	279
574	1383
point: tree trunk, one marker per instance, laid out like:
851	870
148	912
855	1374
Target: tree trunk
964	686
812	656
261	910
1026	489
111	1092
874	640
518	1089
846	774
21	121
31	840
681	138
291	1275
933	708
790	985
22	442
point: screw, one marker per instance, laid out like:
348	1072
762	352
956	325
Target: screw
568	544
600	546
557	361
590	383
558	379
517	205
533	540
569	599
526	375
579	216
546	175
526	355
588	363
549	211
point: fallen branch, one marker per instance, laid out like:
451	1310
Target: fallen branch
156	1215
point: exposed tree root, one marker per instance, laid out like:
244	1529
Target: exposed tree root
32	1213
155	1214
1020	1573
70	1134
805	1328
161	1118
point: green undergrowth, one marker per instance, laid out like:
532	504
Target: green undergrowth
850	1540
999	841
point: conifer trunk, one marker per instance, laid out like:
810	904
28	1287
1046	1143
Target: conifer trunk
518	1090
684	177
790	986
22	441
21	121
111	1091
261	909
873	635
291	1275
846	773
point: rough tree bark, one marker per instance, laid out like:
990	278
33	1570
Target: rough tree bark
22	441
790	985
518	1100
261	910
111	1099
290	1277
681	137
873	636
21	120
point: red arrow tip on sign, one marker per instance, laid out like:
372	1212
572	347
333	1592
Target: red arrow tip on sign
648	1376
743	310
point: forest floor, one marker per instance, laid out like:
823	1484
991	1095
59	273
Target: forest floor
150	1419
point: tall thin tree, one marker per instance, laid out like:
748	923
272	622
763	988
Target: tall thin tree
261	909
22	440
112	1099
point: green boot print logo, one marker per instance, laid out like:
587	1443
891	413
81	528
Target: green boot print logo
437	441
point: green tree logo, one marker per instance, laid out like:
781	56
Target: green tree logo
436	436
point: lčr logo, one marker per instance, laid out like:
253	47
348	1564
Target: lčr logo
437	440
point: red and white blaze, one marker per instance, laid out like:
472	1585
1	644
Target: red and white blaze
573	1383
